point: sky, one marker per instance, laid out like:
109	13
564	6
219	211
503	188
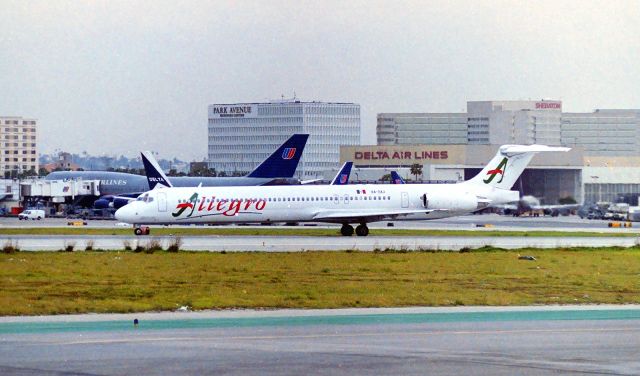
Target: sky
117	77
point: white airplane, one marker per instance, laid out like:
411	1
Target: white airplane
346	204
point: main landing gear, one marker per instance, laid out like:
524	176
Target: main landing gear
361	230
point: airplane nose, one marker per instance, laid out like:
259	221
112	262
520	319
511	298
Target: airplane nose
126	214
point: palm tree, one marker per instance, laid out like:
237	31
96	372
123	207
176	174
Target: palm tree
416	169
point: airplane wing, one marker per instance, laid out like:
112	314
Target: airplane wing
310	181
368	215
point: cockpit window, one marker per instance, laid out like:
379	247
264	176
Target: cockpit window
145	198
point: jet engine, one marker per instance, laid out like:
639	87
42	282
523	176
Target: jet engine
103	202
453	201
119	202
115	202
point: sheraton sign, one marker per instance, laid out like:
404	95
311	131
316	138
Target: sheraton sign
548	105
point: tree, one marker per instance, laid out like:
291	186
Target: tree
416	169
386	177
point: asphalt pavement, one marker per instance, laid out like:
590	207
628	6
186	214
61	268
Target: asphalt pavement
414	341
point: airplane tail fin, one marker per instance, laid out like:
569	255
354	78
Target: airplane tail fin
155	175
396	179
507	166
284	161
342	177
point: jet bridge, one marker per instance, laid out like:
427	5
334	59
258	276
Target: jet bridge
59	191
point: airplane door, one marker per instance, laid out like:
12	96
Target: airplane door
162	202
346	199
405	200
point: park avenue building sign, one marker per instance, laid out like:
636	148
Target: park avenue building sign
232	111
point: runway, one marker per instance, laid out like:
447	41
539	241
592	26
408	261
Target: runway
374	241
414	341
227	243
462	222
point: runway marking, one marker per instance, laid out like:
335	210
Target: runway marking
351	335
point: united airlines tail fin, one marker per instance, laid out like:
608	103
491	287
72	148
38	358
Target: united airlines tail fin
342	177
155	175
507	166
284	161
396	179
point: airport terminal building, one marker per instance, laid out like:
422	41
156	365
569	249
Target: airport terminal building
241	135
604	164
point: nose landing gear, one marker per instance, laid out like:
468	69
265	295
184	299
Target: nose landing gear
142	230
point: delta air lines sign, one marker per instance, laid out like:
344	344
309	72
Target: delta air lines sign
403	155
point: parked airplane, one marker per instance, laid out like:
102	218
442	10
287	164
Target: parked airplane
156	176
342	177
278	168
531	205
346	204
396	179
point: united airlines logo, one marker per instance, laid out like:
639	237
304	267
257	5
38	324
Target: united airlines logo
500	169
343	178
288	153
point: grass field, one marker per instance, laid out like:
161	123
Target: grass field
295	231
75	282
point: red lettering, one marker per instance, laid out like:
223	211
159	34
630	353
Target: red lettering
234	207
426	154
261	204
416	156
202	204
220	206
407	155
247	204
385	155
543	105
443	154
396	155
436	155
367	155
358	155
213	200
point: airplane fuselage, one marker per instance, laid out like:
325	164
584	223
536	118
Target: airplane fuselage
120	183
317	203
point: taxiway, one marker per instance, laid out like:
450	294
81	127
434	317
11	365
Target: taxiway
414	341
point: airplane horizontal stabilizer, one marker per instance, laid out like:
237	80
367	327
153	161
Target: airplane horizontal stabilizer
510	150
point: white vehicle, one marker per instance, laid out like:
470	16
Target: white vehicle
344	204
31	214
